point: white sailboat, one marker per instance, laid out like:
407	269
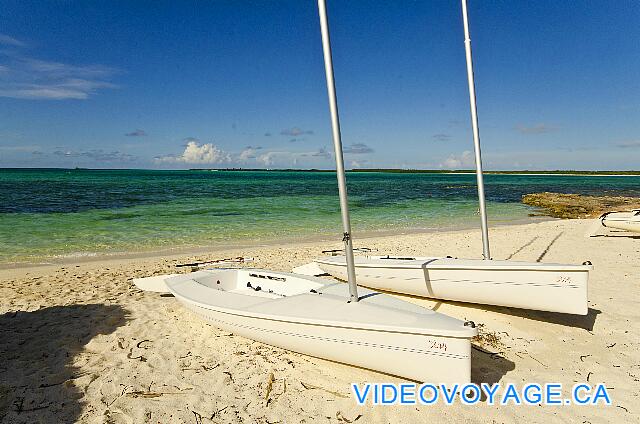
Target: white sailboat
330	320
627	221
312	316
531	285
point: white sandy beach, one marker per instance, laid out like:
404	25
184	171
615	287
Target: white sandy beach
79	343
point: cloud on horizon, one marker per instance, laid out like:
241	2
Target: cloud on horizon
535	129
97	155
194	153
295	132
441	137
634	144
285	159
462	161
322	153
357	149
359	163
248	153
136	133
270	158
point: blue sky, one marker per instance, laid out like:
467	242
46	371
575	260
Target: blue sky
160	84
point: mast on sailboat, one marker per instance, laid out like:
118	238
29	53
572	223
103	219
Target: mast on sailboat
337	145
476	134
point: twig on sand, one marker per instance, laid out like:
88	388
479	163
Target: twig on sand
146	395
492	354
583	357
218	411
140	342
270	381
343	419
206	368
311	386
58	383
198	417
540	362
20	408
130	356
150	395
108	404
532	357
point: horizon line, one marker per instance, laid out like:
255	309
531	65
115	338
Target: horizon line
391	170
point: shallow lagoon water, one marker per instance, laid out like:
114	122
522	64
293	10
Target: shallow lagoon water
49	214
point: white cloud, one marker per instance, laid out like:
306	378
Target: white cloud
137	133
98	155
248	153
465	160
357	149
270	158
286	159
535	129
10	41
21	148
195	153
358	163
322	153
441	137
295	132
34	79
634	144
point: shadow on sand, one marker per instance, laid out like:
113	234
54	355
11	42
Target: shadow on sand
36	359
631	236
488	367
586	322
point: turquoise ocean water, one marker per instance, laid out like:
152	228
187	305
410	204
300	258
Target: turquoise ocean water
47	215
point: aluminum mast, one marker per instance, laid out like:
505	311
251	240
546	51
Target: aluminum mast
476	135
337	144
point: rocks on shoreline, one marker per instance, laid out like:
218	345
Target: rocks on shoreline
561	205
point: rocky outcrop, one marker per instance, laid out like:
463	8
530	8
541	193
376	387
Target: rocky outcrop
562	205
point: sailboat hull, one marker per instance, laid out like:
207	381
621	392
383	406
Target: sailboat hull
627	221
544	287
369	334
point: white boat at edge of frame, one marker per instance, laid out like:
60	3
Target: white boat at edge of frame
627	221
312	316
528	285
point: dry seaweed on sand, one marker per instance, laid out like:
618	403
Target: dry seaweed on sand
487	338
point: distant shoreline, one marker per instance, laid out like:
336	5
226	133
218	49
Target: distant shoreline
380	170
